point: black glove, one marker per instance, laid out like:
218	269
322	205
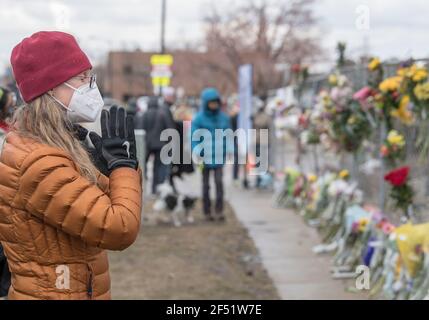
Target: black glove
118	144
97	159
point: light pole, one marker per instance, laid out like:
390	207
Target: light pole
163	13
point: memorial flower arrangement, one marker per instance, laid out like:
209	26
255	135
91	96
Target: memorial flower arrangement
346	122
401	192
413	77
374	64
421	100
392	149
352	231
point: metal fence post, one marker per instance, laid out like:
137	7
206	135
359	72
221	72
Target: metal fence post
141	154
382	185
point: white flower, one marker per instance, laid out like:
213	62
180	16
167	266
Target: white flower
370	167
342	80
350	189
304	136
337	187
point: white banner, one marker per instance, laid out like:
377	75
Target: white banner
245	101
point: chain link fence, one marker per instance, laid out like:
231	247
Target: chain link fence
363	164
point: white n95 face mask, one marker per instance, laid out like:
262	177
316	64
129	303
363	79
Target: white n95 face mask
93	126
85	105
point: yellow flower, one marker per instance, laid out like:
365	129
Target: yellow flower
312	178
363	223
394	138
351	120
420	75
402	113
374	64
402	72
422	91
390	84
333	80
344	174
415	73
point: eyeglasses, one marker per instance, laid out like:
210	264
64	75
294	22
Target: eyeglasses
92	79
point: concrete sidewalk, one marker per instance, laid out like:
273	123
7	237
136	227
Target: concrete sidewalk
284	241
285	244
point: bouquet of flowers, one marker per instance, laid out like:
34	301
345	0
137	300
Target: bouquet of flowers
375	69
421	96
342	194
291	192
403	113
347	123
413	77
366	98
410	240
401	192
355	224
390	98
319	199
393	148
412	263
313	129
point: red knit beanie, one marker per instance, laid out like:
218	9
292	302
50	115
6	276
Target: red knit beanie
44	61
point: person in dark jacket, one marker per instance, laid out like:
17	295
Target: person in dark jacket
169	99
154	121
211	118
168	104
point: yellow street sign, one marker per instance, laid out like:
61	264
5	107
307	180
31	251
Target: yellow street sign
161	59
161	81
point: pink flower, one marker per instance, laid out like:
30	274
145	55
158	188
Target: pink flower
363	94
388	228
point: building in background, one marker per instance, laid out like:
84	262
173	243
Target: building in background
127	74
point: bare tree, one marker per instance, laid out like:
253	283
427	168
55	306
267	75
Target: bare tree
264	34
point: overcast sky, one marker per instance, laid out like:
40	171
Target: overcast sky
397	28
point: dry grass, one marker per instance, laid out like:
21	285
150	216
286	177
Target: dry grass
205	260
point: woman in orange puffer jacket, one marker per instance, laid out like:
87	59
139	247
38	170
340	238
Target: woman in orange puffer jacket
57	211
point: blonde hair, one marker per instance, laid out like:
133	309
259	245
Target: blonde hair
46	122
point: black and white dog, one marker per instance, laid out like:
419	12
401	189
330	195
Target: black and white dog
174	204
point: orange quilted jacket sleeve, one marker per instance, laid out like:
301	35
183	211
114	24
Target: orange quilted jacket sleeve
52	189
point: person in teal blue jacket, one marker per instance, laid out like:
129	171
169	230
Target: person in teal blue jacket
213	151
